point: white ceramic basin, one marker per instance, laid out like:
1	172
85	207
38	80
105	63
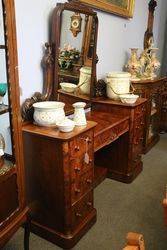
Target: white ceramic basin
129	98
68	87
48	113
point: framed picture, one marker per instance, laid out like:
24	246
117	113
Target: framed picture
122	8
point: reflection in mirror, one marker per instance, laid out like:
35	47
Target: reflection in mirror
76	52
5	128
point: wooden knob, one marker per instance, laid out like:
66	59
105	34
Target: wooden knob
78	215
89	140
76	148
89	181
89	204
77	191
137	127
77	169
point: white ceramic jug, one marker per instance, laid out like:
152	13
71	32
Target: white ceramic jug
79	114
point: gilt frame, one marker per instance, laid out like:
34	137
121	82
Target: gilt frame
106	6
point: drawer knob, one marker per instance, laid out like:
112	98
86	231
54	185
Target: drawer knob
137	127
89	181
76	148
90	161
89	140
142	123
77	169
89	204
141	138
77	191
78	215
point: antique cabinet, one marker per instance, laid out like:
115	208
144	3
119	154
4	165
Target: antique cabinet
163	122
13	209
152	90
60	182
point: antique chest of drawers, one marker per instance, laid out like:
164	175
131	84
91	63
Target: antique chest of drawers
154	91
59	173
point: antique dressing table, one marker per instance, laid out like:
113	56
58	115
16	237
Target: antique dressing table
59	180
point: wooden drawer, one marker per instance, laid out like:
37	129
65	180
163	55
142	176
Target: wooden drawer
81	185
110	135
81	209
81	144
79	166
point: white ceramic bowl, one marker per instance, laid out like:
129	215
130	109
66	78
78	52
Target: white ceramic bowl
66	125
68	87
129	98
48	113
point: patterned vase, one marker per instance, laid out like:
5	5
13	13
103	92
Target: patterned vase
134	65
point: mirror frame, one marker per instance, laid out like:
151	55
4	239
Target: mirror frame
50	59
73	6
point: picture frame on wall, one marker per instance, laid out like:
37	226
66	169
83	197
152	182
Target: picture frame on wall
124	8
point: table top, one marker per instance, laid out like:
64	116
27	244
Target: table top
101	121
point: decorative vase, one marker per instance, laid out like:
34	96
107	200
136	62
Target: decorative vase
79	114
155	64
3	89
2	147
133	65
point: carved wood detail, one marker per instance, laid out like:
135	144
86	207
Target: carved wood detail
149	32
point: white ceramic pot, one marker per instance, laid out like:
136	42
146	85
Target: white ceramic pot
117	83
48	113
79	114
85	80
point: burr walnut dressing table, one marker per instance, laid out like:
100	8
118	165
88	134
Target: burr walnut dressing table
62	170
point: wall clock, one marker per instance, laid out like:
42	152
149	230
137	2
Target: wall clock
76	21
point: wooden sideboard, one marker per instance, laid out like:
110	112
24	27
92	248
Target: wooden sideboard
62	169
154	91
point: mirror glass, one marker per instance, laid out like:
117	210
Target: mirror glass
6	158
76	52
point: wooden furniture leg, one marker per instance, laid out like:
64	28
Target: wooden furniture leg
27	234
135	242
